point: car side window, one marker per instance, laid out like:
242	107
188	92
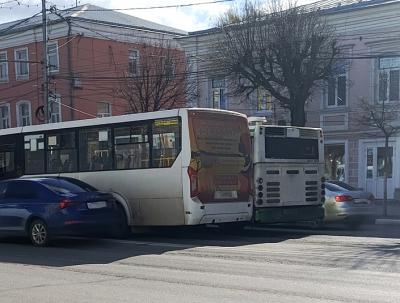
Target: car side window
21	190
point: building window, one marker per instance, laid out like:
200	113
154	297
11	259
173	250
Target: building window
53	60
55	108
218	93
103	109
3	67
389	79
381	153
133	62
335	162
24	113
336	94
5	116
264	100
21	64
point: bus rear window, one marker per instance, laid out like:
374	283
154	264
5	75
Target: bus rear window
291	148
219	134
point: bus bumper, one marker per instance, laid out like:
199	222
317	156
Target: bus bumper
288	214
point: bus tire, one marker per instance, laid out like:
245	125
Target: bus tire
121	229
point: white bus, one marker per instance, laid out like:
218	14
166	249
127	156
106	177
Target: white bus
174	167
288	170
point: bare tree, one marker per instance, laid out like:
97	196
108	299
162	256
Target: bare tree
384	117
157	78
285	51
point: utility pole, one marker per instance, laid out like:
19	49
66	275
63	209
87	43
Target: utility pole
45	64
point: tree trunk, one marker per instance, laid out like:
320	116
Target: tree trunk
385	178
297	114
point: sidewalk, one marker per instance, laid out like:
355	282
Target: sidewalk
393	212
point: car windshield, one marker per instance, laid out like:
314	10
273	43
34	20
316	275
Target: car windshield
343	185
61	186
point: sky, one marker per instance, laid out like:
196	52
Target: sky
185	18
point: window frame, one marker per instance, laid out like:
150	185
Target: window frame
8	106
103	114
218	86
19	118
57	99
268	104
336	77
5	62
57	57
135	59
20	77
387	71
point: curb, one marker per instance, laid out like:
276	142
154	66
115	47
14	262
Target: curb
387	221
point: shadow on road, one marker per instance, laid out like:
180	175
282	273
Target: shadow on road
79	251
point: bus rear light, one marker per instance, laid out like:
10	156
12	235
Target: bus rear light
343	198
194	182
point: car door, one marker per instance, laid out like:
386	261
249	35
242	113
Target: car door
18	204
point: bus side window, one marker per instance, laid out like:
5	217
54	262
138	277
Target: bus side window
166	142
61	152
7	162
95	149
34	154
132	148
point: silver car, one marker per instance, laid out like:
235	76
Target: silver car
346	203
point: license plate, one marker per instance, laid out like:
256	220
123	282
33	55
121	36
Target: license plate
225	194
97	205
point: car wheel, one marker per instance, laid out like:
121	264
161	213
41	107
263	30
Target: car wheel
39	233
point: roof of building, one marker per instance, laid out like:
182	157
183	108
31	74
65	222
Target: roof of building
327	6
90	13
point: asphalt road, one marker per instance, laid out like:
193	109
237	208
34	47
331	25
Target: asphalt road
273	265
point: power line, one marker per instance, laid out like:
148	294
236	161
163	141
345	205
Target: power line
153	7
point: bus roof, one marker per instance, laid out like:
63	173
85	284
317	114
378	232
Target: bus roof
108	120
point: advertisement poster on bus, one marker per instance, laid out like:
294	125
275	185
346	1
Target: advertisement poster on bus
220	145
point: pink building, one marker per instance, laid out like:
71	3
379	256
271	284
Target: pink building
90	50
368	32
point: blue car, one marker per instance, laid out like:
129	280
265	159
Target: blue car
42	208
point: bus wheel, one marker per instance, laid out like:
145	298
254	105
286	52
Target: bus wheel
121	229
